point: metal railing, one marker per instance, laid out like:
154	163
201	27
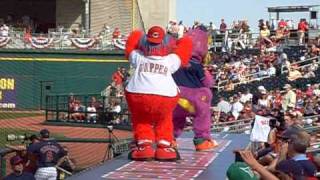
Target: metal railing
62	40
306	62
244	80
249	78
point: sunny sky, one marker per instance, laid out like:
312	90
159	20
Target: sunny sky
252	10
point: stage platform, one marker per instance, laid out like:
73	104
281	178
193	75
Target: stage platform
193	165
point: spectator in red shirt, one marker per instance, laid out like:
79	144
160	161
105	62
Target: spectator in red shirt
302	28
282	24
116	33
309	91
117	77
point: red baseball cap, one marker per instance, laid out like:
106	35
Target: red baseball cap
155	34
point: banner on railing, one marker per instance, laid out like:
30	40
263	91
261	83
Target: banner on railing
260	130
119	43
4	41
83	43
40	42
7	93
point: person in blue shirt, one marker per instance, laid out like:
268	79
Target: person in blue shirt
48	153
298	143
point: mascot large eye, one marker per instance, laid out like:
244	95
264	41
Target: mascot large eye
155	35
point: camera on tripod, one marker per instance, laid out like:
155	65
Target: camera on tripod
17	137
110	128
20	137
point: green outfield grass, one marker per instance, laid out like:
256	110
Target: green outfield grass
14	115
19	132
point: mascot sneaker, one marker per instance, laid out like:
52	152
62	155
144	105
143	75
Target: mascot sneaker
202	144
166	152
141	151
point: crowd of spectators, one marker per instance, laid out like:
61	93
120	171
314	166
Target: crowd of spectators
288	111
245	105
284	153
105	109
235	67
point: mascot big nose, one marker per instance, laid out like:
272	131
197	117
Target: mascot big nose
152	93
194	84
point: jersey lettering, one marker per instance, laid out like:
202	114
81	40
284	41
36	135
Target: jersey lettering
49	156
153	68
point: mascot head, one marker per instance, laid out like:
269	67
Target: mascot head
199	38
156	42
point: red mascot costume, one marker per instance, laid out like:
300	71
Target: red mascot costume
151	93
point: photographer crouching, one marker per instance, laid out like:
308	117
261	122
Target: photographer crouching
48	153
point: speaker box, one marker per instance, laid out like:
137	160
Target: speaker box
313	15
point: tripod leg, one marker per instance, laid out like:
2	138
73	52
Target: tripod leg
109	153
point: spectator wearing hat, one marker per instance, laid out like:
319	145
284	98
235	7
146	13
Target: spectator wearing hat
257	96
240	171
289	98
295	149
263	101
18	173
309	91
48	153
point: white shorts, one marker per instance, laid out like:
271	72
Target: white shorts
46	173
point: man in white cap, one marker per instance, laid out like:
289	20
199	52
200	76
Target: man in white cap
257	96
289	99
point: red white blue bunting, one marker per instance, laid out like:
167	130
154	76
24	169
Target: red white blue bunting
83	43
4	41
40	42
119	43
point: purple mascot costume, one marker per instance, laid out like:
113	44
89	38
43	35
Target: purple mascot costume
194	84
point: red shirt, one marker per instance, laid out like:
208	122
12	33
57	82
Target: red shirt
309	92
282	24
116	34
302	26
117	78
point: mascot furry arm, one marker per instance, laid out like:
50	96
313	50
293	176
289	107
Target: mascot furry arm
184	50
133	42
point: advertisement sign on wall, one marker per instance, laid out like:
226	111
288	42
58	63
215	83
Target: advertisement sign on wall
7	93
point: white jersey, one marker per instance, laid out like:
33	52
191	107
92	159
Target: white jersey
260	130
153	74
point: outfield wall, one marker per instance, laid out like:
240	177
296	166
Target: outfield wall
27	76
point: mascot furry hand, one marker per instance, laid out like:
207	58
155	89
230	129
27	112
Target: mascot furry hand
152	93
194	84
